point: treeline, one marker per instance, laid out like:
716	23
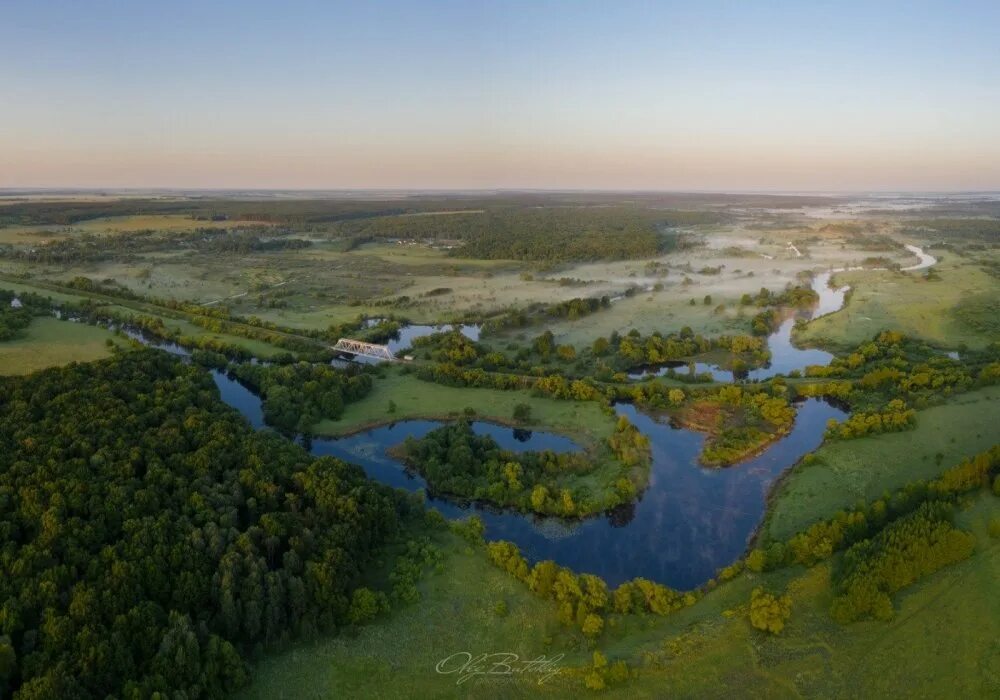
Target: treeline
745	423
632	349
536	233
297	396
768	320
216	319
894	418
739	421
886	378
18	310
893	541
289	211
151	540
584	600
126	245
848	527
986	230
908	549
245	241
456	461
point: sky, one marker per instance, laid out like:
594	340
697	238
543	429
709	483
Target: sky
766	95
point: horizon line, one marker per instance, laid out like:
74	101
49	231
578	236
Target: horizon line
10	190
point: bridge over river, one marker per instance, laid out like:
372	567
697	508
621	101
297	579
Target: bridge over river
359	347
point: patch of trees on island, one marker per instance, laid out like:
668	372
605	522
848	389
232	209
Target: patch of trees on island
456	461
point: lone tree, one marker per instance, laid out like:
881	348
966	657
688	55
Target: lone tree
769	612
522	412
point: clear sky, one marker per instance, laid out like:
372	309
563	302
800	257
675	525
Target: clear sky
741	95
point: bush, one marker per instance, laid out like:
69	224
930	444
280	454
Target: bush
522	412
769	612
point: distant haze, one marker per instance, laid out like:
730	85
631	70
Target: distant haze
474	94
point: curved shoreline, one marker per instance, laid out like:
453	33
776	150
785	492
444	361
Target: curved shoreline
663	534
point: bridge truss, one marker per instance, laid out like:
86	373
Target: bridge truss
359	347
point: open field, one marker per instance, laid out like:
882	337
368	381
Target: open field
326	282
843	472
419	399
49	342
326	262
910	303
456	613
126	308
24	235
941	642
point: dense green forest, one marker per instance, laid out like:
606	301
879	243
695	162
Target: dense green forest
544	234
150	540
298	396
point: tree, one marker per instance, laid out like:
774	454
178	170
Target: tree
592	626
756	560
8	658
539	497
366	604
769	612
522	412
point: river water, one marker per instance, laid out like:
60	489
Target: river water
785	356
687	524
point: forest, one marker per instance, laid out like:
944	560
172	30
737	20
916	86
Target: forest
297	396
151	541
554	234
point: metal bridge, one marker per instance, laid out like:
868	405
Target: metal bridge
359	347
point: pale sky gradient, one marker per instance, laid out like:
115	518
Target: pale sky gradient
797	95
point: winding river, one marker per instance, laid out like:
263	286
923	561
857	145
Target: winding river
687	524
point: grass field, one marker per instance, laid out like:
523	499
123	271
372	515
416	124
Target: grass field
907	302
942	641
842	472
49	342
113	225
418	399
125	308
395	657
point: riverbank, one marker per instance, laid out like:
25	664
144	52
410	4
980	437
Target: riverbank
414	398
929	309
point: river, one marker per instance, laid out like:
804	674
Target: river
687	524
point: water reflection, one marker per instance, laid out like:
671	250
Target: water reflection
407	333
689	522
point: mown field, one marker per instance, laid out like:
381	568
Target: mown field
49	342
942	641
840	473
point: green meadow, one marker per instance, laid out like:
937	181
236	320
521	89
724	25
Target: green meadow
49	342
